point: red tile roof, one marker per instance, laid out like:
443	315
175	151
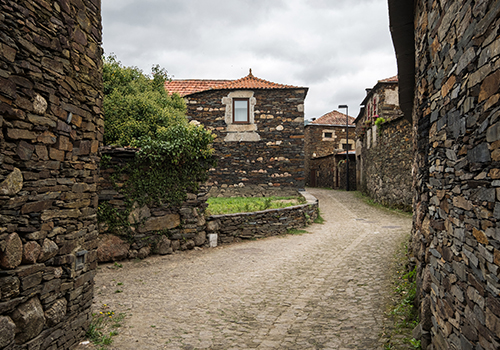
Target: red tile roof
332	118
192	86
393	79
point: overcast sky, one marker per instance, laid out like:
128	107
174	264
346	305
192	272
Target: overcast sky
336	48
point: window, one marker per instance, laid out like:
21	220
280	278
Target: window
328	135
241	111
346	146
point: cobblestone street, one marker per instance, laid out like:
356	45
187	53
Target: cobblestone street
325	289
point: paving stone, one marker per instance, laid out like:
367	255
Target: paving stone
323	290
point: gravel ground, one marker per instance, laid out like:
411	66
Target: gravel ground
326	289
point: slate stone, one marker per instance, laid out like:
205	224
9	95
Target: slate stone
11	252
31	252
479	154
163	246
7	331
49	250
112	248
9	287
29	319
56	312
168	221
12	184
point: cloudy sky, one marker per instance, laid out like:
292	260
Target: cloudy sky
336	48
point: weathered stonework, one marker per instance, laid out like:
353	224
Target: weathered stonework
230	228
456	114
326	137
263	157
153	229
384	154
51	126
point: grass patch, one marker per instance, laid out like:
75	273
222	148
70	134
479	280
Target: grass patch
294	231
103	327
371	202
402	310
319	219
221	205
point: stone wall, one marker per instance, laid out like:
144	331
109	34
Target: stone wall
384	163
456	233
231	228
267	159
323	172
318	146
145	229
51	127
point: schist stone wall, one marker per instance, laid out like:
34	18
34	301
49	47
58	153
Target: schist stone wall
456	233
384	154
321	141
384	163
147	229
51	127
263	158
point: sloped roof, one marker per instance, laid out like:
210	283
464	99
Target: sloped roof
393	79
192	86
332	118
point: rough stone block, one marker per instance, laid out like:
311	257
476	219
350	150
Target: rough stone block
11	252
12	184
49	250
7	331
31	252
112	248
29	319
168	221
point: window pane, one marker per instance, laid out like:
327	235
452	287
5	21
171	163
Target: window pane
240	111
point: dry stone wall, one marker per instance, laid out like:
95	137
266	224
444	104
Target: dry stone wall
456	234
231	228
385	161
51	127
146	228
270	164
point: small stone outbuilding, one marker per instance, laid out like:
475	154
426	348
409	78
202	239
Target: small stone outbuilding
259	130
325	137
384	151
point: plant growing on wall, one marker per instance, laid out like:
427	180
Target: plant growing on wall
173	156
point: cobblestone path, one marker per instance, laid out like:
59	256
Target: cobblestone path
323	290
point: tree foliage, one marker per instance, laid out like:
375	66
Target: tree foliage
137	105
174	155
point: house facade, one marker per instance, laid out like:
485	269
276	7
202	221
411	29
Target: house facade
324	138
259	133
448	65
384	155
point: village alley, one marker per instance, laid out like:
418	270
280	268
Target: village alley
325	289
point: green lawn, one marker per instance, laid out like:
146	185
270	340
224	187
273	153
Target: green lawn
232	205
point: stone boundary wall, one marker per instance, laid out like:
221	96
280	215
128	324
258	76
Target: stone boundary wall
385	170
456	233
231	228
51	127
153	229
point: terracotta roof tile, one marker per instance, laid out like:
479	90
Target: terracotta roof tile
332	118
393	79
191	86
188	87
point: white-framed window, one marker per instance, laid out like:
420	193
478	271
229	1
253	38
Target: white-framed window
239	116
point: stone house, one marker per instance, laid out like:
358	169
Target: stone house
324	138
384	152
259	133
448	56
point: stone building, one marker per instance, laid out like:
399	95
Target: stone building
51	128
259	130
384	152
449	73
324	138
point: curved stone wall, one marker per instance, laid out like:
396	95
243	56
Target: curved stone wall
51	127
